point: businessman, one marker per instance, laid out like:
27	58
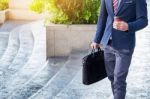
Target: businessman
116	27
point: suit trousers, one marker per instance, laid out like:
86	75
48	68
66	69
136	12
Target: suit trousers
117	66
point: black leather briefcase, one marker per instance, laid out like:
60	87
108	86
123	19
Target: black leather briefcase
93	67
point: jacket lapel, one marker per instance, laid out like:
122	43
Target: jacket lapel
120	6
110	6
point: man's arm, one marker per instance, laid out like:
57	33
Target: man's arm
141	16
101	23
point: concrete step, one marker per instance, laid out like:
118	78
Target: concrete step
19	4
11	51
40	79
24	14
62	78
76	90
3	42
34	65
9	25
26	42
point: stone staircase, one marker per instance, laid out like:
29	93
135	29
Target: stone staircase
17	57
3	42
62	78
24	70
39	80
11	51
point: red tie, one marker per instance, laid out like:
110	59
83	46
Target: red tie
115	5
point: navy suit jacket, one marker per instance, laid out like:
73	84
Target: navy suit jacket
134	12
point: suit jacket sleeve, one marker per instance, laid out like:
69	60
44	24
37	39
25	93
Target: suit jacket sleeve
141	16
101	22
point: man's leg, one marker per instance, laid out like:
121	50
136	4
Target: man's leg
123	60
110	64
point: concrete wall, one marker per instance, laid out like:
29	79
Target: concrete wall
3	16
19	4
24	14
19	10
61	39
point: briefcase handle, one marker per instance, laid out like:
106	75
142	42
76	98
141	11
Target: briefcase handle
94	50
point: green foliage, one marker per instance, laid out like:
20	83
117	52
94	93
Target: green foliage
69	11
3	4
37	6
91	11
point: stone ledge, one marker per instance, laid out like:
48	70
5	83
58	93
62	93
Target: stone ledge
61	39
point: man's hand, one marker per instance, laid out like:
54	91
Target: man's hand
121	25
94	45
